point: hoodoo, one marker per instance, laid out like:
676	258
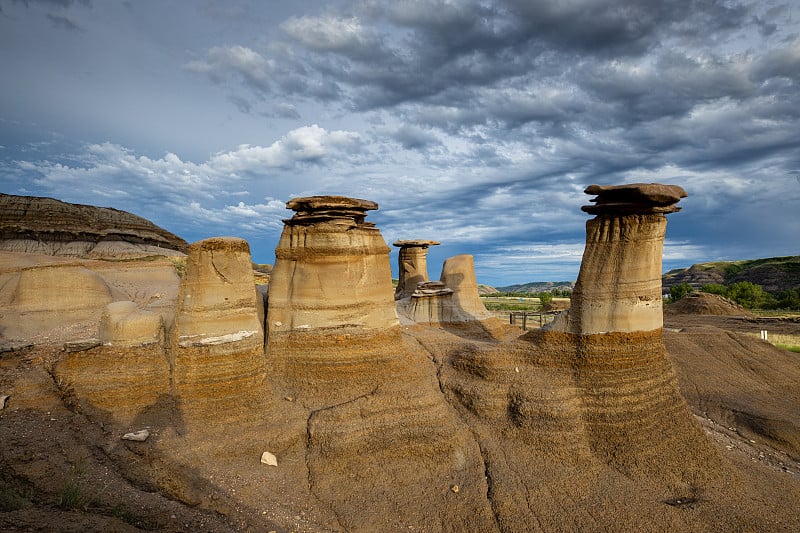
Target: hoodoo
619	284
218	338
458	273
331	270
413	265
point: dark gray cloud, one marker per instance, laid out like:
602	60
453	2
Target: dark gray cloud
477	123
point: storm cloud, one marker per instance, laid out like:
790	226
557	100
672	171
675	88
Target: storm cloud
474	123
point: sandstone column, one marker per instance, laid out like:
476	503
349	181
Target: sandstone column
413	265
619	284
458	273
331	270
218	337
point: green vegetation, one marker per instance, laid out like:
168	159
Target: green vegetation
545	298
12	499
74	495
752	296
679	291
180	265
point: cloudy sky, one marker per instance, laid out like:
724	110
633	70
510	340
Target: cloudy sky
473	122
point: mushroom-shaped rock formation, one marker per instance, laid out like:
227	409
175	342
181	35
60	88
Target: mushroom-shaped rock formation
413	265
619	284
370	393
589	400
218	338
331	270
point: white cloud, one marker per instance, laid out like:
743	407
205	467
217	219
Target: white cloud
328	32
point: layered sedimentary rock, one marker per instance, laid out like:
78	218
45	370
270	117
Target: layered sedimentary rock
458	273
586	409
124	324
371	395
120	381
413	265
619	284
60	288
218	338
48	226
452	299
332	269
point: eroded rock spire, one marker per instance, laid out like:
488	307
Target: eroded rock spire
619	284
331	269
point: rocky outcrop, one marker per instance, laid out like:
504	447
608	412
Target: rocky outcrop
619	284
60	288
452	299
48	226
371	395
218	339
123	324
331	270
597	403
413	265
458	273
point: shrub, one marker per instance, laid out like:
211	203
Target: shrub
545	298
679	291
747	294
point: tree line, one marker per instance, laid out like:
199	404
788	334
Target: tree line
748	295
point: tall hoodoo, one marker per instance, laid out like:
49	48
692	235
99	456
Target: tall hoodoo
619	284
413	265
218	337
331	269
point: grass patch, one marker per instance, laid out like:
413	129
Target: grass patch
783	341
510	303
13	499
179	263
74	494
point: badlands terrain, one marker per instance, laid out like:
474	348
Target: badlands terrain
140	391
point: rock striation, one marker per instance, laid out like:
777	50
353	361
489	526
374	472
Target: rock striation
124	324
413	265
331	269
60	288
217	346
49	226
619	284
458	273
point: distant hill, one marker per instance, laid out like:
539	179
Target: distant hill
774	274
538	286
48	226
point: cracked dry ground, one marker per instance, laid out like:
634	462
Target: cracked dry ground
425	429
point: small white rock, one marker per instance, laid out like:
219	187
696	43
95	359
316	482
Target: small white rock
303	326
269	459
277	324
137	436
516	369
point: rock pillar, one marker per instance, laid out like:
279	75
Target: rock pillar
413	265
218	337
619	284
458	273
331	270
